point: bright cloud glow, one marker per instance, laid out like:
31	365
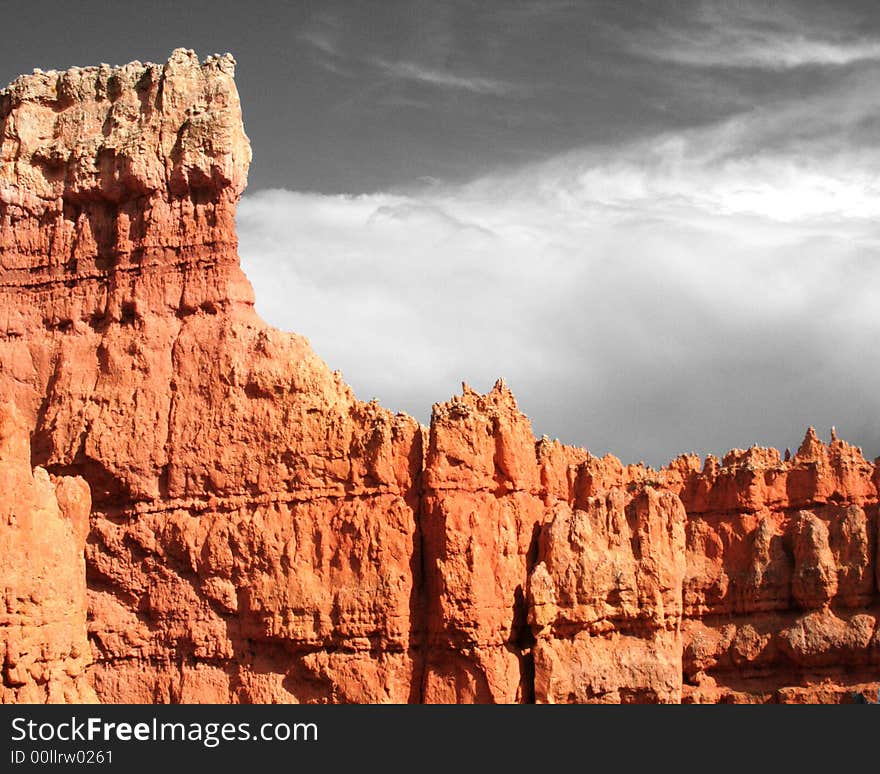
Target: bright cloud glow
690	291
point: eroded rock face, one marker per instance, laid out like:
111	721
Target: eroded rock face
615	567
780	595
44	649
257	534
253	534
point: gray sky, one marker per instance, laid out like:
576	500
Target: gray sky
658	221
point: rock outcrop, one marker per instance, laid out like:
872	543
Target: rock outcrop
253	528
252	532
780	593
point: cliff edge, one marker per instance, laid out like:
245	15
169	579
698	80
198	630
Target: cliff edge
251	532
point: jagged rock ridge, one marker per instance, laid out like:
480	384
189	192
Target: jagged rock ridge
257	534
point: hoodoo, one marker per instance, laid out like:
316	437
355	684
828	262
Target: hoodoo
196	508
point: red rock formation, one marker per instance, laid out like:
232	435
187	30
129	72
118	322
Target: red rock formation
780	595
253	534
480	510
43	645
258	535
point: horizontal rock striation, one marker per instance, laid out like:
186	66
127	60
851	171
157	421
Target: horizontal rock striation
253	528
780	596
251	532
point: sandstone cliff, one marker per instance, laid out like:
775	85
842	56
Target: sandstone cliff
257	534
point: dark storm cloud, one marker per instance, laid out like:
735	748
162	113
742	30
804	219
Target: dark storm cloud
348	96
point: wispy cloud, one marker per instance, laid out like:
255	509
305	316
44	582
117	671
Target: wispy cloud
319	41
326	50
752	35
411	71
330	55
762	50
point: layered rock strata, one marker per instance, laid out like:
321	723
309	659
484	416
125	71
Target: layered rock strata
253	528
257	534
780	595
